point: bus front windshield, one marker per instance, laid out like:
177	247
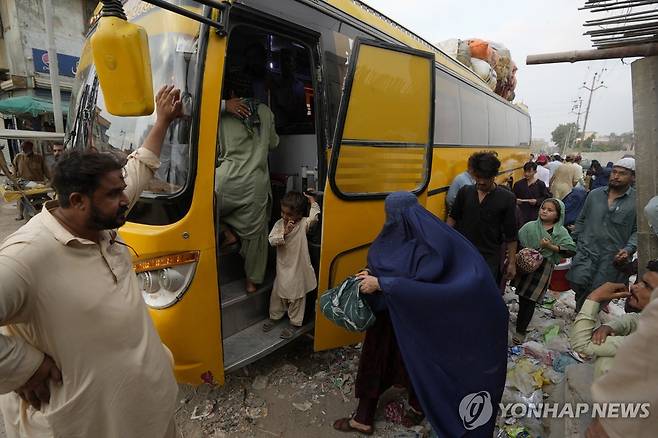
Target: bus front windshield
173	61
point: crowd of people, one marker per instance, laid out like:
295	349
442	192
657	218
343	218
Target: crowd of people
586	215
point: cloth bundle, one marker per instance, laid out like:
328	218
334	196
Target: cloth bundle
344	306
491	61
529	260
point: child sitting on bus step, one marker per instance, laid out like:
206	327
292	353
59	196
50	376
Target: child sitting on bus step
295	276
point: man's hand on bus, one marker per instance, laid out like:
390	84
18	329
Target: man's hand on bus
168	104
236	107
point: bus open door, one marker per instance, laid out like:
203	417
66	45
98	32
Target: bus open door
383	144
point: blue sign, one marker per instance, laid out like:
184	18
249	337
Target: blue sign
68	65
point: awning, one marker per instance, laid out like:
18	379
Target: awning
27	105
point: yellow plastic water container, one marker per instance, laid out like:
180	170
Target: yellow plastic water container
121	56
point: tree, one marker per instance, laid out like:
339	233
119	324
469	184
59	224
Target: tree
586	145
563	133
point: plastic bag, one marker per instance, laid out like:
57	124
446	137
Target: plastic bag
480	49
485	72
457	49
559	343
344	306
520	377
539	352
554	376
540	379
568	298
551	332
561	362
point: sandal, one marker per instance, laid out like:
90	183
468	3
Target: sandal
343	425
269	324
288	332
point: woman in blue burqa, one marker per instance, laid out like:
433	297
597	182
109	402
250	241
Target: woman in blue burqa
441	328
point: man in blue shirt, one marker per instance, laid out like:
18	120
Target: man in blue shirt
463	179
606	233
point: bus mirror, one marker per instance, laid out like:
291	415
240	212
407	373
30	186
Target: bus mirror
121	55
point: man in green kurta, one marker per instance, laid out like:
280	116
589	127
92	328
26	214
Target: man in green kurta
606	233
242	185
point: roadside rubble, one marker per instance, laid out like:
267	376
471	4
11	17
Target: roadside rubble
539	363
301	383
535	367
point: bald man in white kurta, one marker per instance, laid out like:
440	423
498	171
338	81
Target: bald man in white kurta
79	302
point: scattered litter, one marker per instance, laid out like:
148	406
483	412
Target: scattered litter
552	332
394	412
561	362
539	352
203	411
539	378
305	406
520	376
259	383
254	413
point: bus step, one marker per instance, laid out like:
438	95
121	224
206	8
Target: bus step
241	309
252	343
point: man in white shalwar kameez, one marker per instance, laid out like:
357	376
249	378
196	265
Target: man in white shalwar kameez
79	355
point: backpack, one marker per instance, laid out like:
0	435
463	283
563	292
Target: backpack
344	306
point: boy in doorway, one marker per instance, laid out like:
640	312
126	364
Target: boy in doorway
295	276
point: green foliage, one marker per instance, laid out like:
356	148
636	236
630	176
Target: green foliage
586	144
564	133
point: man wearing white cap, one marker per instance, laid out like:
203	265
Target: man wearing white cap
606	233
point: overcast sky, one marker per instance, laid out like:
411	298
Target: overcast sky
531	27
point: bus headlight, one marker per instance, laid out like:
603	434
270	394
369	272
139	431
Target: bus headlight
164	280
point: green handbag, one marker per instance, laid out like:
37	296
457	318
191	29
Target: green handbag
344	306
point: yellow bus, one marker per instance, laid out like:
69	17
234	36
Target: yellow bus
382	110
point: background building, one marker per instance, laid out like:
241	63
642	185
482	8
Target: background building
25	96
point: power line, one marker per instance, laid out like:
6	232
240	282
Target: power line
595	86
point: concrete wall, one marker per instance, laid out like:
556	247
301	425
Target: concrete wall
12	38
68	23
24	29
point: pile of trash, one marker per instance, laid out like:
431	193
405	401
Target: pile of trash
539	363
491	61
536	365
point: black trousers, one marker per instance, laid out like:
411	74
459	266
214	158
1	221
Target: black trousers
526	311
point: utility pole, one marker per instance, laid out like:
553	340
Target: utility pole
645	113
570	141
53	66
578	105
591	90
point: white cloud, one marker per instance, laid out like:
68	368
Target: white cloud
530	27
